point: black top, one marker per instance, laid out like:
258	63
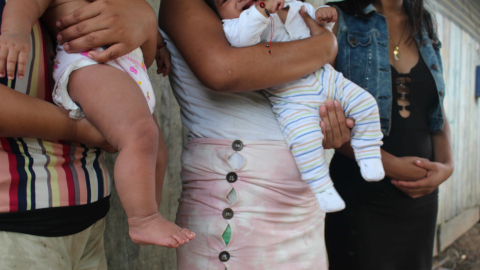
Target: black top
382	228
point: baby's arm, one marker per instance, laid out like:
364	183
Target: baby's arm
246	30
18	19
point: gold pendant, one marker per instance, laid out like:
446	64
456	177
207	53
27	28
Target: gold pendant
396	54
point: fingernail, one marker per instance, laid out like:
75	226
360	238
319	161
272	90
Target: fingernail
10	77
329	103
58	24
59	37
21	76
323	109
1	75
336	103
90	56
66	47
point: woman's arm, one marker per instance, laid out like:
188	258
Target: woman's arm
438	171
24	116
198	34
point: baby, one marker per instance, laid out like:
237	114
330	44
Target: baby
117	98
296	104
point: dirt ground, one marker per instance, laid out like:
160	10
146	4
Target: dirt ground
464	254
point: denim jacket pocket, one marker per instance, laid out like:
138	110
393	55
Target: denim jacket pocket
357	40
360	56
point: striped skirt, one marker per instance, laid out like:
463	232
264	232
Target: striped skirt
260	215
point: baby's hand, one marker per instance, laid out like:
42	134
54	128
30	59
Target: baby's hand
326	15
162	58
271	5
13	48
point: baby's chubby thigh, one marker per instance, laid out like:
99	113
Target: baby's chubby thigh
112	102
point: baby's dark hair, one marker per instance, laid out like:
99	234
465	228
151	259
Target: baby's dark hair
211	4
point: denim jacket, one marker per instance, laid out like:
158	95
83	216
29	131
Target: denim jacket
363	57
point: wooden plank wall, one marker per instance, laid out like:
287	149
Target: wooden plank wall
460	53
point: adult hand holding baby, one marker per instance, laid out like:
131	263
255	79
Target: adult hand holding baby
123	24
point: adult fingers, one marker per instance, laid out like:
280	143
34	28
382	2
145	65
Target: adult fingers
413	193
3	60
81	14
336	133
81	29
426	164
11	63
342	122
113	52
315	29
415	185
167	68
350	123
327	129
160	64
22	63
322	127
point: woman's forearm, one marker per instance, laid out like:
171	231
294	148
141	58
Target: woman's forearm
442	144
25	116
395	168
198	34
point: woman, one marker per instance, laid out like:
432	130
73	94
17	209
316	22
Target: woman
198	33
390	48
54	186
242	193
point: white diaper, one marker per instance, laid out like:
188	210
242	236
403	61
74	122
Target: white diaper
66	63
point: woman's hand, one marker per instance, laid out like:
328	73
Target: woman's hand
437	173
403	168
163	58
123	24
335	128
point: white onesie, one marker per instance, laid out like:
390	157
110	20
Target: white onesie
296	104
66	63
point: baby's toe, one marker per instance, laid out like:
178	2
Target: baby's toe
188	233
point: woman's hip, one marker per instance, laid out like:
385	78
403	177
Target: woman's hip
258	212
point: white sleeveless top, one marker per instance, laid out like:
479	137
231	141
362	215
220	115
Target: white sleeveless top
210	114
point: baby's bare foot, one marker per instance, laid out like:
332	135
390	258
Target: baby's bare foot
156	230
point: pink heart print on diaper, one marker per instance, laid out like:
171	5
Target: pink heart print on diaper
134	70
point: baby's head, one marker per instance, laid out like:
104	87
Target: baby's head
230	9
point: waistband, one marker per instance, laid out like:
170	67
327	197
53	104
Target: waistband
135	55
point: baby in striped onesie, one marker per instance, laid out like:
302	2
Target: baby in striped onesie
296	104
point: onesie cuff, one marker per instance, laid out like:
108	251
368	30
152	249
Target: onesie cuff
257	14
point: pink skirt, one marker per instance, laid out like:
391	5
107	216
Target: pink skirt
275	220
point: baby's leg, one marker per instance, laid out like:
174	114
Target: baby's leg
304	137
113	102
366	134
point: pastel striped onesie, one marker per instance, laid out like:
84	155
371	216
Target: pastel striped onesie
296	104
